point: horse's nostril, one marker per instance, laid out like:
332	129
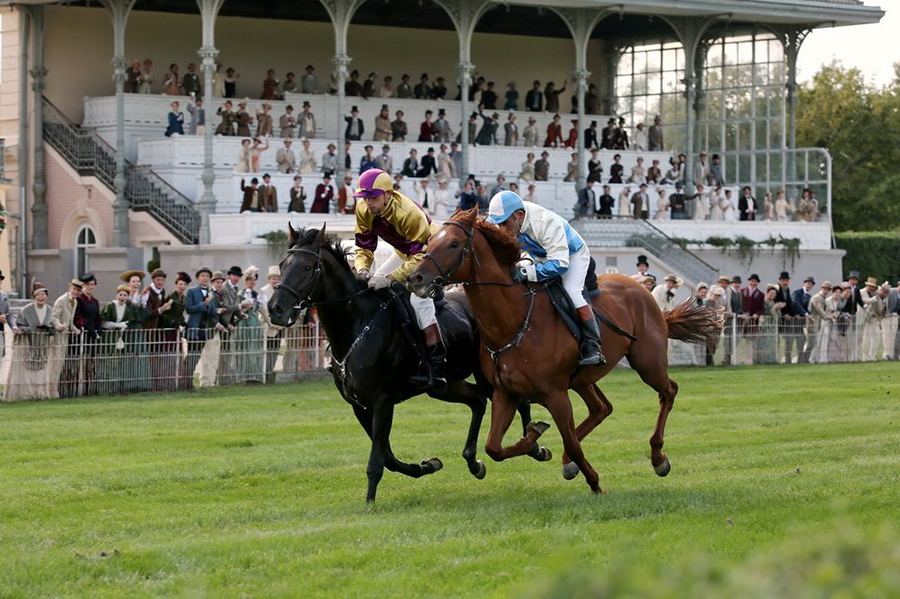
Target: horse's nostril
415	279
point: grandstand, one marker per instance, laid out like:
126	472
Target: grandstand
95	184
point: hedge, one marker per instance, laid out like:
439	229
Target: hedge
872	253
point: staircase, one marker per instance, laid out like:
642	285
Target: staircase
619	232
145	191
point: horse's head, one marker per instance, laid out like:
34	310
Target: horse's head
449	257
301	270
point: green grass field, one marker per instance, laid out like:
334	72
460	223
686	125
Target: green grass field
259	492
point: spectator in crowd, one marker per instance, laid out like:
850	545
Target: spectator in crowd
218	90
123	365
441	127
264	122
197	125
512	97
445	165
873	310
273	333
747	205
456	157
531	196
788	311
468	198
190	84
673	175
616	170
715	178
571	168
132	78
355	128
200	306
251	201
307	159
441	206
307	122
411	164
298	196
424	195
243	163
662	204
733	315
268	194
534	99
487	135
637	172
768	207
399	130
249	352
368	86
473	129
368	161
426	129
655	135
551	96
620	141
422	90
428	165
329	160
530	133
309	83
641	139
288	123
554	133
753	308
664	294
87	319
677	203
285	158
624	203
270	86
290	85
641	203
542	167
145	80
891	333
231	77
346	203
587	200
590	136
226	127
701	170
527	173
572	140
384	161
63	359
439	89
592	101
595	167
382	125
654	174
782	207
171	85
699	203
176	121
387	87
243	119
511	131
604	204
819	326
500	186
324	196
256	151
33	340
608	135
404	90
489	97
353	87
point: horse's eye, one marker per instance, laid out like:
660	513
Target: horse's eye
307	267
454	245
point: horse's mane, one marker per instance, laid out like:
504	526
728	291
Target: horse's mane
502	242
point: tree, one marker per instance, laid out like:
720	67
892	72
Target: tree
859	124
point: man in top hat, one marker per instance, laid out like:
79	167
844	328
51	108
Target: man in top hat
733	316
801	298
161	342
655	135
268	195
288	122
819	324
383	125
608	135
307	122
590	136
786	326
442	131
856	292
874	304
753	305
355	128
7	319
439	89
643	266
382	212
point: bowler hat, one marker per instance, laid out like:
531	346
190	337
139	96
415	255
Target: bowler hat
384	106
158	272
809	280
754	277
216	276
674	279
784	275
235	270
736	279
87	278
205	269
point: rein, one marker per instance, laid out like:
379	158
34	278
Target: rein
443	279
517	340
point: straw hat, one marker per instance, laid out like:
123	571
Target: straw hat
871	282
124	288
125	276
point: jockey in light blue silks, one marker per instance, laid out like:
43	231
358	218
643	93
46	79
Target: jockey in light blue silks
557	251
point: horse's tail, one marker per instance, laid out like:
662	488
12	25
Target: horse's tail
691	323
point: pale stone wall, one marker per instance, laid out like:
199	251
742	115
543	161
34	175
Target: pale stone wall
79	46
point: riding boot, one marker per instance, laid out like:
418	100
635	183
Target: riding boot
431	374
590	350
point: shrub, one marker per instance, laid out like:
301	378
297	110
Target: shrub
872	253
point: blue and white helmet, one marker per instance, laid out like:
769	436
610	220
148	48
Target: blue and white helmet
503	205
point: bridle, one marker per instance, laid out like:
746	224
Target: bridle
444	275
302	297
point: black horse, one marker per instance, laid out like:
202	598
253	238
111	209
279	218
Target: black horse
373	357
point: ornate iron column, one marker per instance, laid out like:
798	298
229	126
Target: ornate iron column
581	78
340	62
209	10
39	235
465	70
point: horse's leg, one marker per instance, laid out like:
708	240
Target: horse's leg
381	455
653	371
538	452
503	410
598	409
561	409
466	393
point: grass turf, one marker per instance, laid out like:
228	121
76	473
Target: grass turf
259	491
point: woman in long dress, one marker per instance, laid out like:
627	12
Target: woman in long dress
146	78
662	205
249	341
767	345
715	205
781	207
140	379
123	362
29	374
171	85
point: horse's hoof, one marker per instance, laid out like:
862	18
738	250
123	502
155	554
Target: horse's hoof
482	470
545	455
539	427
432	465
663	469
570	470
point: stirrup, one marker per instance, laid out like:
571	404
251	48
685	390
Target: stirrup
589	358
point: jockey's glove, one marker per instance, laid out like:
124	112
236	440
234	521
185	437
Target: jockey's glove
363	275
379	282
523	272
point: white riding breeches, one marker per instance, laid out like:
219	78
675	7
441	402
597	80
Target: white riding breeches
423	306
573	279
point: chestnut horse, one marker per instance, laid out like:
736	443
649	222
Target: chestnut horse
529	352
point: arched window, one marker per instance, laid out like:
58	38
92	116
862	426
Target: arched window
84	239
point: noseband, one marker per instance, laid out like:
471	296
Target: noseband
443	277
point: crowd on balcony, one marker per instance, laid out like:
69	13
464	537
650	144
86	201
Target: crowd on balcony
153	333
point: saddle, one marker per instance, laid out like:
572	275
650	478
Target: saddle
563	304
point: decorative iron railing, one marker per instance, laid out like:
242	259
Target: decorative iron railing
89	154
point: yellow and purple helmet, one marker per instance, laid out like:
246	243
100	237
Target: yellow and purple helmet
373	182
